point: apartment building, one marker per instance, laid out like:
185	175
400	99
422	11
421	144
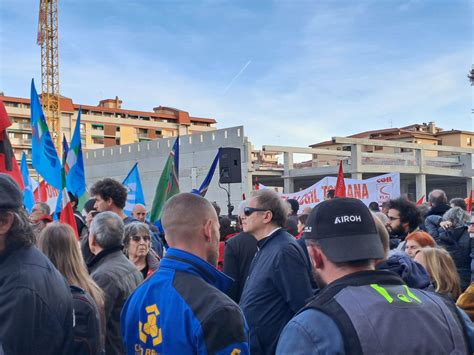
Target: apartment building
425	133
106	125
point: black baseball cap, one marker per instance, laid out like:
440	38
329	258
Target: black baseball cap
345	229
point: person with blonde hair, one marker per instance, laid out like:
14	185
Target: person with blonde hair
58	242
442	270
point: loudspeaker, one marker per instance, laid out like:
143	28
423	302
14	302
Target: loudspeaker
230	170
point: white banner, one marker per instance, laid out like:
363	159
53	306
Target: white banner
379	189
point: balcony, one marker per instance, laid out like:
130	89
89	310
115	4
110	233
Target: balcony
19	127
97	132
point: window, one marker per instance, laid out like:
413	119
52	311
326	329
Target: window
158	133
97	140
98	127
469	141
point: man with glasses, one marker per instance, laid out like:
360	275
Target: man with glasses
279	282
471	225
238	255
403	218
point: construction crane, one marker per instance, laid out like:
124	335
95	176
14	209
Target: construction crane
48	40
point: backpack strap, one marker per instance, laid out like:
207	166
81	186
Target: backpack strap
344	324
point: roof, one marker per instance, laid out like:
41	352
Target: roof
389	134
68	106
454	131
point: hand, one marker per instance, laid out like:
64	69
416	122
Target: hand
445	224
90	216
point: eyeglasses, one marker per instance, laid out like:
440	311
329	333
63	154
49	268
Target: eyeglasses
137	238
249	210
393	218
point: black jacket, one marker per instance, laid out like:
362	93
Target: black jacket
277	287
118	278
35	305
458	243
438	210
238	255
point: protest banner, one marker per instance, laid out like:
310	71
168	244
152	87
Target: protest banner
381	188
47	193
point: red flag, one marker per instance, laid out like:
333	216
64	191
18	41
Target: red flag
469	203
420	201
8	163
256	186
40	193
340	190
67	214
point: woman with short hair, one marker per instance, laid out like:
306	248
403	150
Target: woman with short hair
417	240
137	247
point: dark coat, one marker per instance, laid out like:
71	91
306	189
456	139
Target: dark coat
438	210
118	278
458	243
238	255
410	271
36	314
277	287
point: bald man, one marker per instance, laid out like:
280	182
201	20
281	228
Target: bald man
182	309
139	212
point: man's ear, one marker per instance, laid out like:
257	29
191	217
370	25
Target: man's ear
268	217
92	242
109	201
316	256
6	223
207	230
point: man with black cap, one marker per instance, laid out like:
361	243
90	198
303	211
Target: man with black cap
360	310
36	315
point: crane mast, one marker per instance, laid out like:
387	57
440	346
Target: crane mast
48	40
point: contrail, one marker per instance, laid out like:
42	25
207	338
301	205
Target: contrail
238	74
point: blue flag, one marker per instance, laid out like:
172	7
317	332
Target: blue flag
207	181
75	176
28	196
44	155
134	190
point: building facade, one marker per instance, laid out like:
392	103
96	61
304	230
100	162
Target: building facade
104	125
423	134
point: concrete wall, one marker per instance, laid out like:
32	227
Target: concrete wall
196	155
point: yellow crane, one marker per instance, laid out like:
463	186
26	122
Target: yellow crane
48	40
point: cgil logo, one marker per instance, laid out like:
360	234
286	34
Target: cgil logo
347	219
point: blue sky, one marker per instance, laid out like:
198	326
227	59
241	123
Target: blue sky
312	69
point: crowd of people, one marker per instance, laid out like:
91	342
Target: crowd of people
338	278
